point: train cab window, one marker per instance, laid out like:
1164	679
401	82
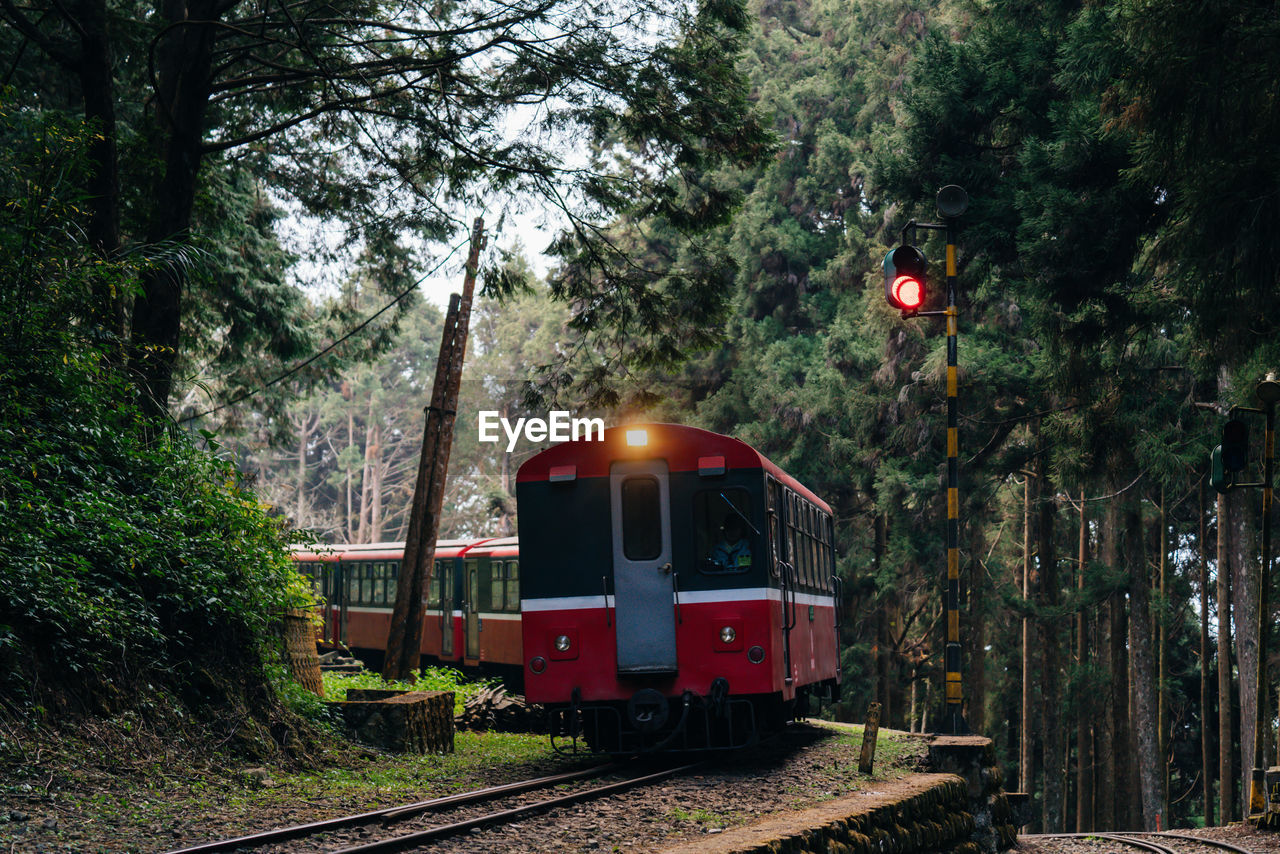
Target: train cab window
723	535
641	518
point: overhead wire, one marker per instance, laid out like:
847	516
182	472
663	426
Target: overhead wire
353	331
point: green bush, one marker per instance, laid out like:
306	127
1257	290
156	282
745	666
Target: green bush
130	559
336	685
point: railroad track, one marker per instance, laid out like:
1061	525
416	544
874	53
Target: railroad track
1180	843
340	826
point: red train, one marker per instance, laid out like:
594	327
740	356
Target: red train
472	620
679	590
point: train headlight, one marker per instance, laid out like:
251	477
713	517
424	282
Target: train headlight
563	643
637	438
728	634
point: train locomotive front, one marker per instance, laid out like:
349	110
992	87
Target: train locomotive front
678	590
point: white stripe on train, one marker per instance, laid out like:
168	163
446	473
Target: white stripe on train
685	597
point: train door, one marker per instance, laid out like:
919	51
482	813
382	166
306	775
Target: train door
445	568
790	578
643	581
471	610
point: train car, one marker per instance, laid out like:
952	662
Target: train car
679	590
472	618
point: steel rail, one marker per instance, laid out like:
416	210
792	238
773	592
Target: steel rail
397	843
1129	837
393	813
1114	837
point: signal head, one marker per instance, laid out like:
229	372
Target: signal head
904	278
1235	445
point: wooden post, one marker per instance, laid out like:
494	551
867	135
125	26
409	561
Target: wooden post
404	639
870	732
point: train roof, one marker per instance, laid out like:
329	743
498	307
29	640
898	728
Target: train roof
684	448
500	546
380	551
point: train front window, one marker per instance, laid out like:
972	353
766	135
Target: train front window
723	535
641	518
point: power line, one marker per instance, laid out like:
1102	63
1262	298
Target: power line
357	328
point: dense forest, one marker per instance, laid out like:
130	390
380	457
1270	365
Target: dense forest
730	197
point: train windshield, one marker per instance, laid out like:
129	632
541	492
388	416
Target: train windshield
723	532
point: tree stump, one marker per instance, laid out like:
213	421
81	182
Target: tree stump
416	722
300	649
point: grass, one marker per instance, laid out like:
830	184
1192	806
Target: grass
336	685
127	816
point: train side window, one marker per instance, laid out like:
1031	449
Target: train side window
366	583
723	539
393	580
352	572
641	518
790	505
802	542
433	588
497	586
513	585
772	510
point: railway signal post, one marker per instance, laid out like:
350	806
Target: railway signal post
905	289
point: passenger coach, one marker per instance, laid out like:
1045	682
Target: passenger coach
472	618
679	590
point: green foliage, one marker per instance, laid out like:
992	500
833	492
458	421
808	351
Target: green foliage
336	685
127	559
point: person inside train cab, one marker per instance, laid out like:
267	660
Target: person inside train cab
733	552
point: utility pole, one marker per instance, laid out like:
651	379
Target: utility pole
404	639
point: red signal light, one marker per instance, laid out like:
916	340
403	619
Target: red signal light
904	278
908	292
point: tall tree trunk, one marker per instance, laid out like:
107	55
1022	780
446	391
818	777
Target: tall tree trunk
1162	639
97	88
1118	638
183	62
351	443
1206	737
1244	590
1025	779
1226	732
1052	654
305	426
975	714
377	469
1150	763
363	528
1104	792
1084	703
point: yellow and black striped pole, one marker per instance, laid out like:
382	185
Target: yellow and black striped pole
953	201
953	720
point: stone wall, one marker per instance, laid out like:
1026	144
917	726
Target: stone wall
958	808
